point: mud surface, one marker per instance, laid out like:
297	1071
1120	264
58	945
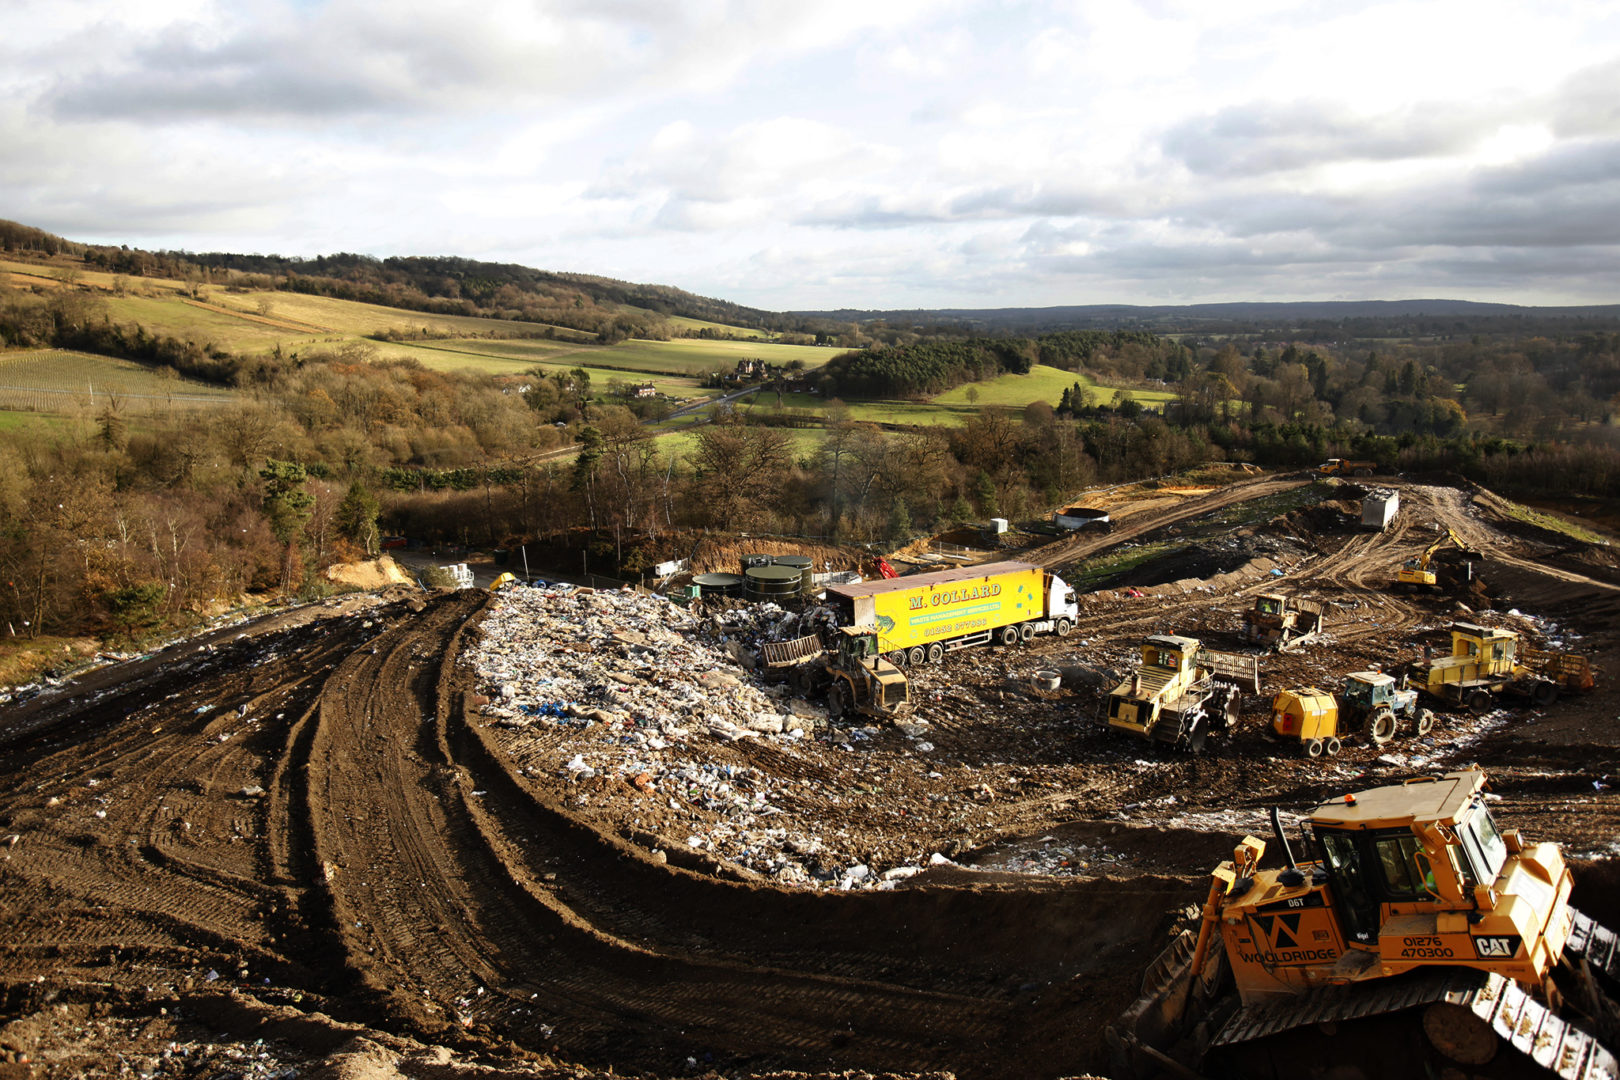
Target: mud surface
301	839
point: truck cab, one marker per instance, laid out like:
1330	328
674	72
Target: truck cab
1062	605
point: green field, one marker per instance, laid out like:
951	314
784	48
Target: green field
1042	384
60	381
684	323
694	356
682	440
952	407
25	421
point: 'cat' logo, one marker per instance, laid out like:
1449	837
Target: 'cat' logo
1497	948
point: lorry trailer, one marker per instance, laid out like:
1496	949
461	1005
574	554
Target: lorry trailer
920	617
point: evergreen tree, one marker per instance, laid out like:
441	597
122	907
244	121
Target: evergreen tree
357	517
287	506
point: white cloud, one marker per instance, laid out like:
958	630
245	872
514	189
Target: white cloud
794	155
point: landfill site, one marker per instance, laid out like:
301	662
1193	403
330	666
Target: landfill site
541	831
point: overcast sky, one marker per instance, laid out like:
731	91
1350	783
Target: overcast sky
795	154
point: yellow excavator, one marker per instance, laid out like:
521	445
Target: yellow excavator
1421	573
1417	939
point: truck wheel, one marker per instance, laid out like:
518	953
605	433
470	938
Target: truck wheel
898	658
1478	701
1025	631
936	653
802	681
1381	728
1425	721
1545	693
1313	748
1063	627
837	700
1331	747
1009	635
916	655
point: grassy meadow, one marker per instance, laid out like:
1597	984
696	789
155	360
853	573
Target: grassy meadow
257	321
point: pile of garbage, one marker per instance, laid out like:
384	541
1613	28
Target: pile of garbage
634	664
618	695
742	628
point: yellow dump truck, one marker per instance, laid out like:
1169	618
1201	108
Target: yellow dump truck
1485	661
920	617
1346	467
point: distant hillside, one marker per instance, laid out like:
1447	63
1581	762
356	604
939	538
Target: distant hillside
445	285
614	310
1412	315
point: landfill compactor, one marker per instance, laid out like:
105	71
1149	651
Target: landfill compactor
919	617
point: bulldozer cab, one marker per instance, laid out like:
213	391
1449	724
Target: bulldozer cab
1483	643
1169	653
855	645
1268	604
1409	850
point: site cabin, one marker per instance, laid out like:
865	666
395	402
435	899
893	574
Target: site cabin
1379	508
920	617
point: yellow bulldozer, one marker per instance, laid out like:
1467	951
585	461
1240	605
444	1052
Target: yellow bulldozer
1416	939
1281	622
1182	693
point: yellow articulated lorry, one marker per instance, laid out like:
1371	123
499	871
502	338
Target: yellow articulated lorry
920	617
1414	939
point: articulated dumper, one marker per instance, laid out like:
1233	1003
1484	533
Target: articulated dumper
1485	661
1416	939
920	617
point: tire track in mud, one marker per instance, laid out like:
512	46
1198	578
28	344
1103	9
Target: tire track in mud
135	821
472	902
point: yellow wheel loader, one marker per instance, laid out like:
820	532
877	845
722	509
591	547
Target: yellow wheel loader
1415	939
